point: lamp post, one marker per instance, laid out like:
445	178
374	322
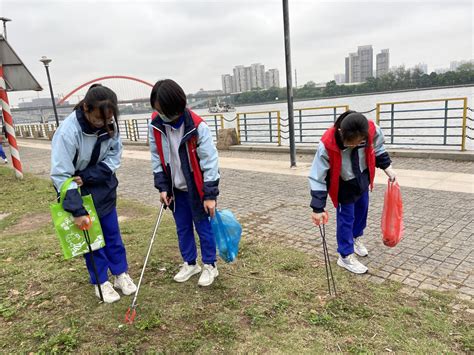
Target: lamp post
46	62
289	84
5	20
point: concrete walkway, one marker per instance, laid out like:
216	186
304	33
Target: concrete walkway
272	202
423	179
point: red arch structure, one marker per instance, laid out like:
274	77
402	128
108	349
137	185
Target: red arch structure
99	79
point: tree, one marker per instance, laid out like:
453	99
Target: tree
401	78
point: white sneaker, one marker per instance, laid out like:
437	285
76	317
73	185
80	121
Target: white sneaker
351	263
110	295
124	282
359	247
186	272
6	161
208	275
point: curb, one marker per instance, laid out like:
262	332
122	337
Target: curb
401	153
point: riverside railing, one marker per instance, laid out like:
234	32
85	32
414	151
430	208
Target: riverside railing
439	123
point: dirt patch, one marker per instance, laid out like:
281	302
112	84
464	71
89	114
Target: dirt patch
123	218
127	212
29	223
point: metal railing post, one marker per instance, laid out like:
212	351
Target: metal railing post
392	130
279	127
377	114
137	130
270	126
464	121
245	127
445	138
238	128
126	130
301	126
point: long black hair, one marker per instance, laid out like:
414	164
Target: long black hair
170	96
104	99
352	125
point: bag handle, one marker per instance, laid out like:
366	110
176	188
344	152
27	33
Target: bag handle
64	188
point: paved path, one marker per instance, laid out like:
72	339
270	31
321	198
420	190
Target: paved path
272	202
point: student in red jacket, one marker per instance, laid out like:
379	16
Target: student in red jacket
344	168
186	172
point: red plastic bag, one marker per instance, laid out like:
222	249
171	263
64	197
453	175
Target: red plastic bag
392	215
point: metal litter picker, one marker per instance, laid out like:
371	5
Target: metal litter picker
85	230
131	312
327	261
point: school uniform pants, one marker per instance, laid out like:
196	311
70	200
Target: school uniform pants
351	222
2	152
111	257
183	217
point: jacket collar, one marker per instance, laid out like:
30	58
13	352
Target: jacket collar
185	119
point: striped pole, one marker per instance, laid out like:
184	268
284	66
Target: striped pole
8	122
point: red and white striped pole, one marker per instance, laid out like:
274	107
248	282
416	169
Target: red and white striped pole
8	122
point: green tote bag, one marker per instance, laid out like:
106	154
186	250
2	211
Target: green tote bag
70	236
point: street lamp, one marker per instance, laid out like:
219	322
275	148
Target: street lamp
289	85
46	62
5	20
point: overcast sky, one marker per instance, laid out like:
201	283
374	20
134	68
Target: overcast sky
194	42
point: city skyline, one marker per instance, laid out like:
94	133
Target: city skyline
247	78
452	66
214	35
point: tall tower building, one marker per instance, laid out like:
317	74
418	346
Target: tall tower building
382	63
366	59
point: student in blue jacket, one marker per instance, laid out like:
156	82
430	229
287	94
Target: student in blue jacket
185	168
87	146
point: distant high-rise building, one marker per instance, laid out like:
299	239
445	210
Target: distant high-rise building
340	78
249	78
353	68
347	73
454	65
422	67
241	78
382	63
272	79
257	76
366	59
227	84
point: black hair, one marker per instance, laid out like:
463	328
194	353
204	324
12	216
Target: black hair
103	98
170	96
352	125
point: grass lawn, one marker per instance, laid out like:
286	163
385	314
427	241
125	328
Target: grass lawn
271	300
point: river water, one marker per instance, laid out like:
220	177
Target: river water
430	125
